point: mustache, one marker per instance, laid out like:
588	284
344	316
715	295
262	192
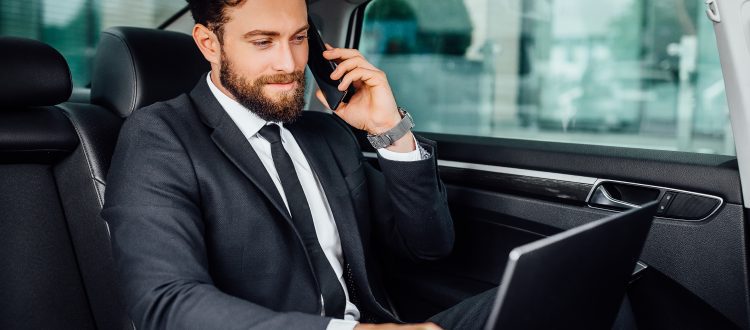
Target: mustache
282	78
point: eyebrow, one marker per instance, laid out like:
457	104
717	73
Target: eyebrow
255	33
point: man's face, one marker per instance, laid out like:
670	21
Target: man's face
263	57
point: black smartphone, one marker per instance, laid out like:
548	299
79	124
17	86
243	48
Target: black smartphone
322	68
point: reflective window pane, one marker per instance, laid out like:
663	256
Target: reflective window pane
635	73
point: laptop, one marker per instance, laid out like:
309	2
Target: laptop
575	279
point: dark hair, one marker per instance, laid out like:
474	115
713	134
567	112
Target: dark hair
212	13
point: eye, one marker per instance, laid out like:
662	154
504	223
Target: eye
300	38
262	43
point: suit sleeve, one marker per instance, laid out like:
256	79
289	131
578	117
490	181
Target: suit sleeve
154	212
419	223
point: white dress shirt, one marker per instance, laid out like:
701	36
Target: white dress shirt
325	226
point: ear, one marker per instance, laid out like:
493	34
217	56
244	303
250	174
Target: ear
208	43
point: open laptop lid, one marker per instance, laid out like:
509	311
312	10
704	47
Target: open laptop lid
575	279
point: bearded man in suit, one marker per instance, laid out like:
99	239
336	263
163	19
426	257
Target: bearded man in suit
231	208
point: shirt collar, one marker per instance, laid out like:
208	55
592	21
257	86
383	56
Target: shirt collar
247	121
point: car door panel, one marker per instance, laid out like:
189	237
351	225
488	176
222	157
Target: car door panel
506	192
502	196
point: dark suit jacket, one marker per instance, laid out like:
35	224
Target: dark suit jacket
202	239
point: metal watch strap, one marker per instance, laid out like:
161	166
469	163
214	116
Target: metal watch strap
392	135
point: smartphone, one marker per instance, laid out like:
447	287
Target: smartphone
322	68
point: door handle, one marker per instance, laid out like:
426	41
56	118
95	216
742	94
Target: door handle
602	197
673	204
620	196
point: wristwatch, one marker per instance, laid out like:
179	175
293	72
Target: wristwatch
392	135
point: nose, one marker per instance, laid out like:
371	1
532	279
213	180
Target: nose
284	59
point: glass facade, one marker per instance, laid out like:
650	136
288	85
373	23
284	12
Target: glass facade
73	26
635	73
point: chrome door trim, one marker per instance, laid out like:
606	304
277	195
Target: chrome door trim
594	182
508	170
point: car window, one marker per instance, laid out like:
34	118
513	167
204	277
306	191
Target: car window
634	73
73	26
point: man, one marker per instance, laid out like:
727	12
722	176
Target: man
230	208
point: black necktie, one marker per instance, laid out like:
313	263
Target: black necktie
333	294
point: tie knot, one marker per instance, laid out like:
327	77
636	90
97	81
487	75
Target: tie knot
272	133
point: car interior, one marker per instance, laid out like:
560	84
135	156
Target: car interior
56	146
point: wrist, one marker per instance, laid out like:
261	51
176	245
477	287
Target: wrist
404	144
387	125
395	133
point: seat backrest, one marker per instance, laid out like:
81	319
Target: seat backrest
135	67
57	268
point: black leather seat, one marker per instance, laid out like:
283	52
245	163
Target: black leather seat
57	266
135	67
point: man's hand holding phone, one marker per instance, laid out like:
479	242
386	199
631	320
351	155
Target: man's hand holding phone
373	107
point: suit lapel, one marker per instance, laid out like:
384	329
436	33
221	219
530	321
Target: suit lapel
230	140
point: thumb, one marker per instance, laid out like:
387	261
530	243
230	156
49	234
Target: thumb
322	98
339	111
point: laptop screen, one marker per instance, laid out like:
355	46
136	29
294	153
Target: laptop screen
575	279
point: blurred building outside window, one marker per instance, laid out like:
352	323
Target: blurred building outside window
634	73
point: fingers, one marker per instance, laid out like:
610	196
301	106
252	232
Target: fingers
341	54
367	76
351	64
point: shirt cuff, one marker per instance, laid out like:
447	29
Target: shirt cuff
418	154
339	324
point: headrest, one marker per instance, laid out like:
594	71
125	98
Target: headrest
35	135
34	74
135	67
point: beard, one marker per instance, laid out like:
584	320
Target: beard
286	108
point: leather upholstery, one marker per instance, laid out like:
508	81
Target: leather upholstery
135	67
35	135
35	77
34	74
97	129
53	158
